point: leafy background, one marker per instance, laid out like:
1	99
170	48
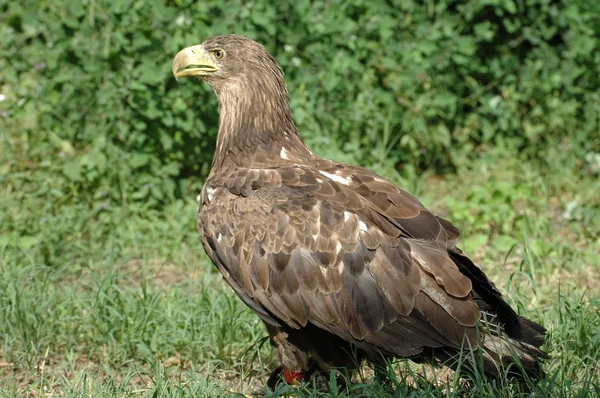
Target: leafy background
439	82
489	110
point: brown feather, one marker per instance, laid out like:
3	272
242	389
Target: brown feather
438	264
399	281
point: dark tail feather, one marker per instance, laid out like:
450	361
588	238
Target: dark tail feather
509	340
531	332
499	355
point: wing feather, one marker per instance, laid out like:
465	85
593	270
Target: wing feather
437	263
355	256
445	324
399	281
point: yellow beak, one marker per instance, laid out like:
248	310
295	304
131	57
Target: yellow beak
193	61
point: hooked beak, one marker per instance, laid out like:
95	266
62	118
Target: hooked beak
193	61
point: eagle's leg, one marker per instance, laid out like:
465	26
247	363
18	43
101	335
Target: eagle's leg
310	351
294	360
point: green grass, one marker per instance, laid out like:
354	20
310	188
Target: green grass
100	301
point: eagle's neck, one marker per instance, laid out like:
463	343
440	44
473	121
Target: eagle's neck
255	123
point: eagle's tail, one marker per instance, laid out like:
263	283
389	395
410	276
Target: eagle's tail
499	354
507	341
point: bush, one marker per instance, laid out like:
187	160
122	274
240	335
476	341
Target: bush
90	102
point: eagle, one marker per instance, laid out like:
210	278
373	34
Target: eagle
341	264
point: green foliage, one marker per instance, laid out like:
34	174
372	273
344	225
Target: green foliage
444	80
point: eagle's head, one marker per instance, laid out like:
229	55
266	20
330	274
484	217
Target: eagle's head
224	60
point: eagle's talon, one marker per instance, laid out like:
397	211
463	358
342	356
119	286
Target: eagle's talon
274	378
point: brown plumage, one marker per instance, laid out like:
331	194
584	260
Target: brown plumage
334	258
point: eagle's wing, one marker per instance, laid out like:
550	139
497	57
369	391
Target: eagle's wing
341	248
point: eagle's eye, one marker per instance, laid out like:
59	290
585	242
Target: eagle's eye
219	53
